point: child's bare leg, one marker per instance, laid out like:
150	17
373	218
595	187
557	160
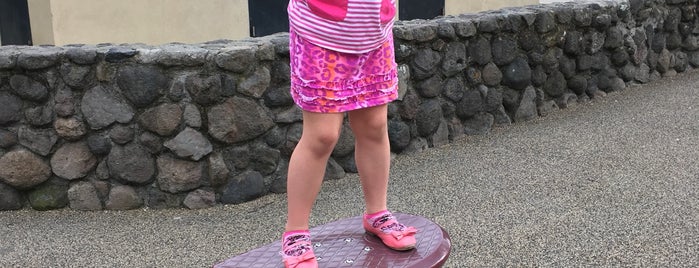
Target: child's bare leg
307	165
372	154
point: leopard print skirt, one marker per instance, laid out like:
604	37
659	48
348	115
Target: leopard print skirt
327	81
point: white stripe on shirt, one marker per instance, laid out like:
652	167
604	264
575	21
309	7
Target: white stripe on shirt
361	31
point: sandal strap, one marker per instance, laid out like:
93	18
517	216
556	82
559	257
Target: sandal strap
386	223
293	244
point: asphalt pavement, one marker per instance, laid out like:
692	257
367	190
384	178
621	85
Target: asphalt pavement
611	182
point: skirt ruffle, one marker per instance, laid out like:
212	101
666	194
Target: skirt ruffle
327	81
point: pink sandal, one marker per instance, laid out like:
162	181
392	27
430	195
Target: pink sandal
297	251
393	234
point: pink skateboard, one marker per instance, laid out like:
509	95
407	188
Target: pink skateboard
343	243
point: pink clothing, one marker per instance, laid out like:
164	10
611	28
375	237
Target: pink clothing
348	26
327	81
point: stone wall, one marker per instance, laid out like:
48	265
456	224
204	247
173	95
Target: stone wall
125	126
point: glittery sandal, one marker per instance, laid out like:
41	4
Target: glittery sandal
393	234
297	251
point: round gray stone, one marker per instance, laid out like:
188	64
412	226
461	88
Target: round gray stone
40	115
151	141
142	84
40	141
83	196
218	171
192	116
204	89
69	128
454	89
64	102
578	84
455	58
131	164
430	87
23	169
122	197
180	55
398	135
278	97
73	161
28	88
199	199
7	138
471	104
244	187
255	84
479	124
492	76
121	134
237	59
425	63
504	50
238	119
48	197
98	144
35	58
556	84
82	55
119	54
428	117
480	51
10	198
10	108
163	119
176	176
102	107
77	76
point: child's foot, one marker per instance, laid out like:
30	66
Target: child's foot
393	234
297	251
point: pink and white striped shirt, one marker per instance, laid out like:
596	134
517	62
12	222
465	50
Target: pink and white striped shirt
348	26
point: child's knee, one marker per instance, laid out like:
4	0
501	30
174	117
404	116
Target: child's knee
323	141
328	138
371	129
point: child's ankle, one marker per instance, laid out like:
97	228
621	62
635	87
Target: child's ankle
375	214
295	232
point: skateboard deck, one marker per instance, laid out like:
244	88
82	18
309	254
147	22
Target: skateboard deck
344	243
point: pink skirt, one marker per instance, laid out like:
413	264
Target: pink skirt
327	81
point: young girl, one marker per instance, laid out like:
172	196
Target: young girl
342	60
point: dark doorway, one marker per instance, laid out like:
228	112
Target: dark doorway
268	17
420	9
14	23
